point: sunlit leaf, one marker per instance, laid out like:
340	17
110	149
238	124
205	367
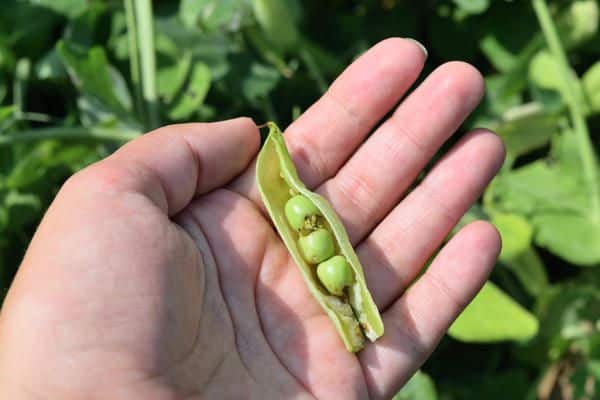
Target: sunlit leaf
575	238
170	78
493	316
193	94
540	187
472	6
591	86
419	387
516	234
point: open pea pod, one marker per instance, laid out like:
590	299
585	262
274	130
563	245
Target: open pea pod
354	314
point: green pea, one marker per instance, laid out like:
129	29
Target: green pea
298	209
317	246
335	274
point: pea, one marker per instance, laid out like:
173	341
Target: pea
298	210
313	233
335	274
317	246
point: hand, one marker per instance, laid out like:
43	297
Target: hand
155	273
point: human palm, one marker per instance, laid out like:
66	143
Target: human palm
157	274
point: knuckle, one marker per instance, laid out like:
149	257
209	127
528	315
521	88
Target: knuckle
452	298
100	176
359	192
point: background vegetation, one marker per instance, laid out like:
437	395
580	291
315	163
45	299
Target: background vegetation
80	77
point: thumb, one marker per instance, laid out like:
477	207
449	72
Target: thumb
172	164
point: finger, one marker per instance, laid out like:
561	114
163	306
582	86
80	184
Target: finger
375	178
172	164
329	131
417	321
398	248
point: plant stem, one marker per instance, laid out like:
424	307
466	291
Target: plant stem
586	151
134	60
313	68
23	70
268	53
145	38
35	117
108	134
142	59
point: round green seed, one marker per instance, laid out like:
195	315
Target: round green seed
317	246
335	274
298	209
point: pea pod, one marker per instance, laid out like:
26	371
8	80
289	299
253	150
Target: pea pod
354	314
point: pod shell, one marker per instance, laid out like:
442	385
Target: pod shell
278	181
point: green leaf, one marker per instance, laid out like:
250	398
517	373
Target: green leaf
194	93
529	269
502	59
6	112
516	234
539	187
90	72
212	48
22	208
419	387
579	22
92	112
7	58
277	22
503	91
493	316
565	149
576	238
555	198
119	88
591	86
171	78
545	73
69	8
526	128
472	6
189	11
568	313
260	81
83	30
34	165
50	67
214	14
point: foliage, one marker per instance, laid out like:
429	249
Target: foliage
90	75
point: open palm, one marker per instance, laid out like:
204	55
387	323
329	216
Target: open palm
157	275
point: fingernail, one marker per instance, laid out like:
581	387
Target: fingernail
420	45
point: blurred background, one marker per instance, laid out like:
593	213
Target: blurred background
78	78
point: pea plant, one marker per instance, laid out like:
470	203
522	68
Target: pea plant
90	75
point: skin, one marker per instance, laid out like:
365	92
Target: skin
155	273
